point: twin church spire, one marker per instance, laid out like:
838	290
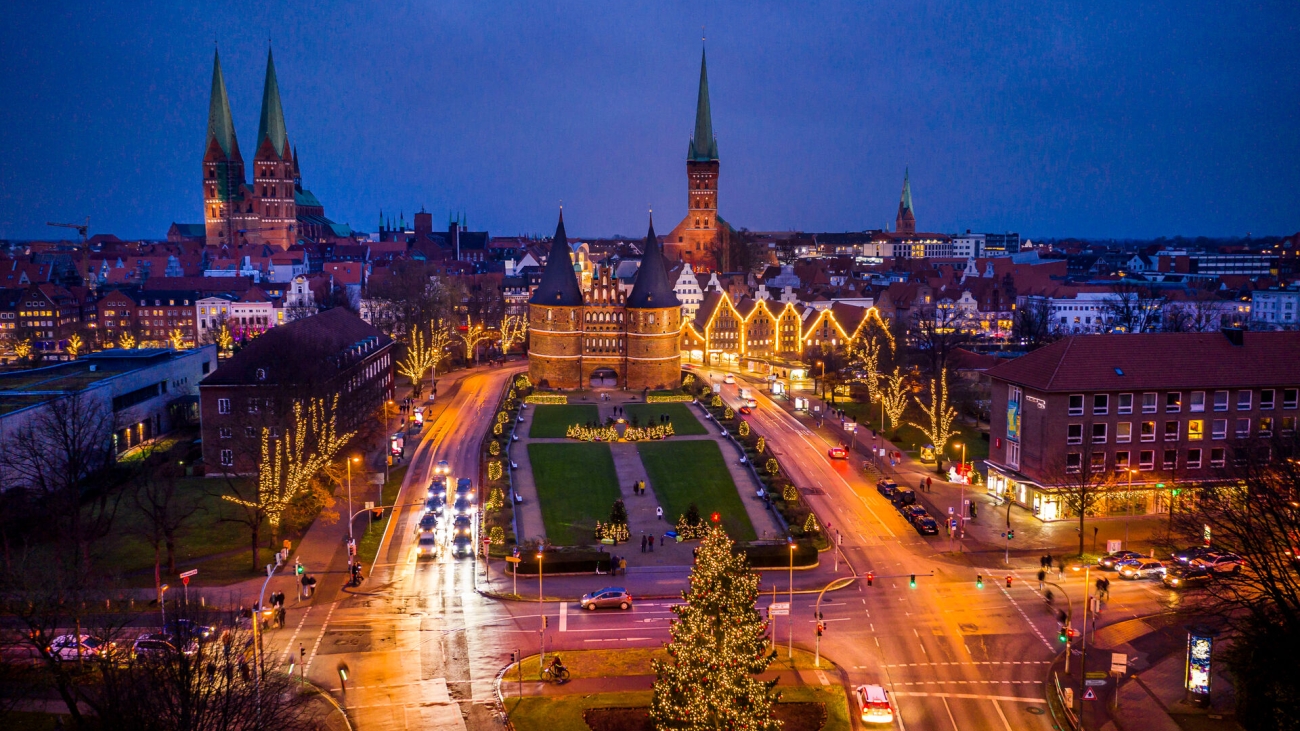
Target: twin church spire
221	126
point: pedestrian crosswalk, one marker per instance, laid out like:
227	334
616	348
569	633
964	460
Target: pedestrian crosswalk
986	662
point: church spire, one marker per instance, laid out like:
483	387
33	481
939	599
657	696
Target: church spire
220	126
704	146
905	222
559	285
271	126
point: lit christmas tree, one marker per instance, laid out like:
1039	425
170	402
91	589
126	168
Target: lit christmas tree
719	643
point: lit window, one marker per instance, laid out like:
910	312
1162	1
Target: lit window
1173	402
1124	432
1195	430
1148	431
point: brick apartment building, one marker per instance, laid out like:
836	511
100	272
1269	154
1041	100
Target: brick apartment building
334	352
1162	410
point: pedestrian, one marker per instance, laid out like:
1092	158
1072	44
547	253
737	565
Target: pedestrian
1106	587
642	543
661	541
929	484
651	543
280	615
659	513
622	566
1100	583
1042	575
1060	569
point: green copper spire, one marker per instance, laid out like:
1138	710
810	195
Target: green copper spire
704	146
220	126
272	125
906	199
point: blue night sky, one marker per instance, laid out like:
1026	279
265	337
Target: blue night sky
1102	119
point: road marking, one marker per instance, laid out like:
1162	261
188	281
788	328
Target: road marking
951	720
564	616
1032	626
289	645
821	677
970	696
619	639
1003	716
319	637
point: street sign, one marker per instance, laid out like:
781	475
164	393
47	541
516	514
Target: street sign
1095	674
188	574
784	606
513	559
1118	663
771	612
370	505
1114	546
1092	682
185	581
1088	695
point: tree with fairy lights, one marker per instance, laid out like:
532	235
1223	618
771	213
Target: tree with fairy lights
895	396
940	413
719	644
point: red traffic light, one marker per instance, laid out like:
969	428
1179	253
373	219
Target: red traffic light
871	576
716	517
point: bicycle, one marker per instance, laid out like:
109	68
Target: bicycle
553	675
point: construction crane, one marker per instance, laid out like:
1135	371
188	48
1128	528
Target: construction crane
82	228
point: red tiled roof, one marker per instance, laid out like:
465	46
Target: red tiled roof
1153	361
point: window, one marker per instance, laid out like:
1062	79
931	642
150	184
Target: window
1100	404
252	406
1193	459
1076	404
1243	428
224	432
1013	455
1125	404
223	406
1266	426
1244	399
1149	403
1148	431
1288	425
261	374
1072	462
1171	459
1173	402
1217	456
1266	398
1098	462
1195	430
1197	403
227	457
1147	460
1219	429
1220	400
1124	432
1074	434
1171	431
1121	461
1290	398
1098	433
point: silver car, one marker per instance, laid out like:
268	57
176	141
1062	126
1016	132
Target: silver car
612	596
1143	568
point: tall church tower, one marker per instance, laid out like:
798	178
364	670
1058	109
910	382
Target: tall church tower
693	239
223	165
273	169
905	222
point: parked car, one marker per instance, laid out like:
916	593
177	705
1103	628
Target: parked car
1111	561
1186	578
913	513
886	487
1219	563
904	496
442	468
837	453
1143	568
464	525
1188	555
426	546
462	546
187	629
873	704
611	596
160	645
926	526
64	647
428	523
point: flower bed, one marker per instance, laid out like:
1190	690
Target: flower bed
498	511
669	399
610	433
546	398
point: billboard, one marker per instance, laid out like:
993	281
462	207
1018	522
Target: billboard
1013	421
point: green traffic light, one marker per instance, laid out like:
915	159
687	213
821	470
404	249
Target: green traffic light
1062	637
979	582
912	583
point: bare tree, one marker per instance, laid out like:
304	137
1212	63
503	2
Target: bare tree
165	510
937	332
1081	483
1033	323
1133	307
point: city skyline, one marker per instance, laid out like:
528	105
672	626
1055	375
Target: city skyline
501	116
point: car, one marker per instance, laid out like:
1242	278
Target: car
435	506
1143	568
464	525
904	496
462	506
1111	561
746	410
751	403
912	513
188	630
873	704
442	468
465	488
462	546
729	378
1186	578
160	645
1188	555
1219	563
426	546
428	523
610	596
837	453
886	487
64	647
438	487
926	526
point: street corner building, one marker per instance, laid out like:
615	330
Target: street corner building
604	339
332	353
1136	419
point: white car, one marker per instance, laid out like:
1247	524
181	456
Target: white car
1142	568
729	379
442	468
426	546
873	704
64	647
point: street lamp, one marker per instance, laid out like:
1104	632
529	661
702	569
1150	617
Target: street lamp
790	645
541	611
1129	498
350	461
388	427
1083	657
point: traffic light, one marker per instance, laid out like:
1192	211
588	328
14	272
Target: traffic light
1063	635
871	577
912	582
979	581
298	568
1011	534
821	627
716	517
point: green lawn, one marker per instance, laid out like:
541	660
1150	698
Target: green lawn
576	485
684	422
682	473
551	420
563	712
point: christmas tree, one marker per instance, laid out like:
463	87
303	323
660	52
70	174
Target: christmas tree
719	643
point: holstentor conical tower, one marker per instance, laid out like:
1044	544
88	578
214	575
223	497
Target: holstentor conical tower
555	320
654	323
